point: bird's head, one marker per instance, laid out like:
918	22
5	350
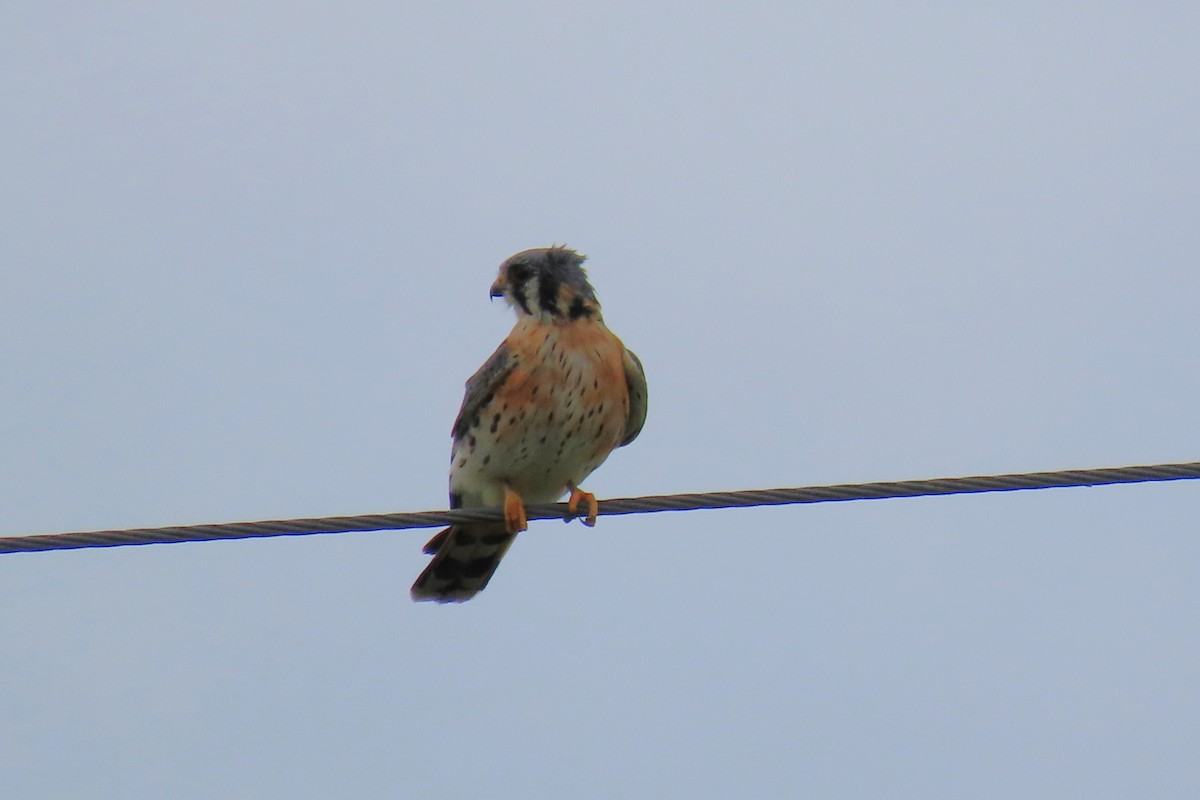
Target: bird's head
547	282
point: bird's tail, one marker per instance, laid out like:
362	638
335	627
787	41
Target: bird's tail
464	558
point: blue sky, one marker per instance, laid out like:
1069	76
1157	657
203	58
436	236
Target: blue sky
247	253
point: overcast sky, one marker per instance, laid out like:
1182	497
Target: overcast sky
246	252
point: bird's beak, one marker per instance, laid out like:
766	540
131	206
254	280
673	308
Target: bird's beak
498	288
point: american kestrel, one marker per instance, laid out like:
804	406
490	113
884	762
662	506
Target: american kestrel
557	396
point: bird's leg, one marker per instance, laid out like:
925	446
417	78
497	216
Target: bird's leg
514	512
580	496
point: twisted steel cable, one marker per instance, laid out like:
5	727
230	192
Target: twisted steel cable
630	505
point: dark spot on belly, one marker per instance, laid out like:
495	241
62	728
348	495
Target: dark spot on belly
533	392
512	420
487	459
495	423
551	417
462	462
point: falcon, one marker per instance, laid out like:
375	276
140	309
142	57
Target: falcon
557	396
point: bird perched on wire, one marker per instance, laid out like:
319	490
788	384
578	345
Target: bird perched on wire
557	396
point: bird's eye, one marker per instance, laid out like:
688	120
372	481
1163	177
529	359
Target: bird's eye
518	273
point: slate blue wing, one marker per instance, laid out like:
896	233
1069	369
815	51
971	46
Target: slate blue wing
481	387
635	380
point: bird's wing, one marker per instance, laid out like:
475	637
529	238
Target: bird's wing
635	379
481	387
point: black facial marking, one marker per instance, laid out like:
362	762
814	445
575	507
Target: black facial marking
519	296
518	273
548	292
578	309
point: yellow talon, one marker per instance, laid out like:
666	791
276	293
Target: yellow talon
514	512
579	496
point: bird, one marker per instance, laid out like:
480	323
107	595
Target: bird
560	393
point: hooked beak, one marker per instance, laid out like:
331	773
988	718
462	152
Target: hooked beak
498	288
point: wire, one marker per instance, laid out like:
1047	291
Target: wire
631	505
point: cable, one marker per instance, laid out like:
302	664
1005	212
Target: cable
631	505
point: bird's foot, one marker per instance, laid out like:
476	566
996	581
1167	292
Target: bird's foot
514	512
579	496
